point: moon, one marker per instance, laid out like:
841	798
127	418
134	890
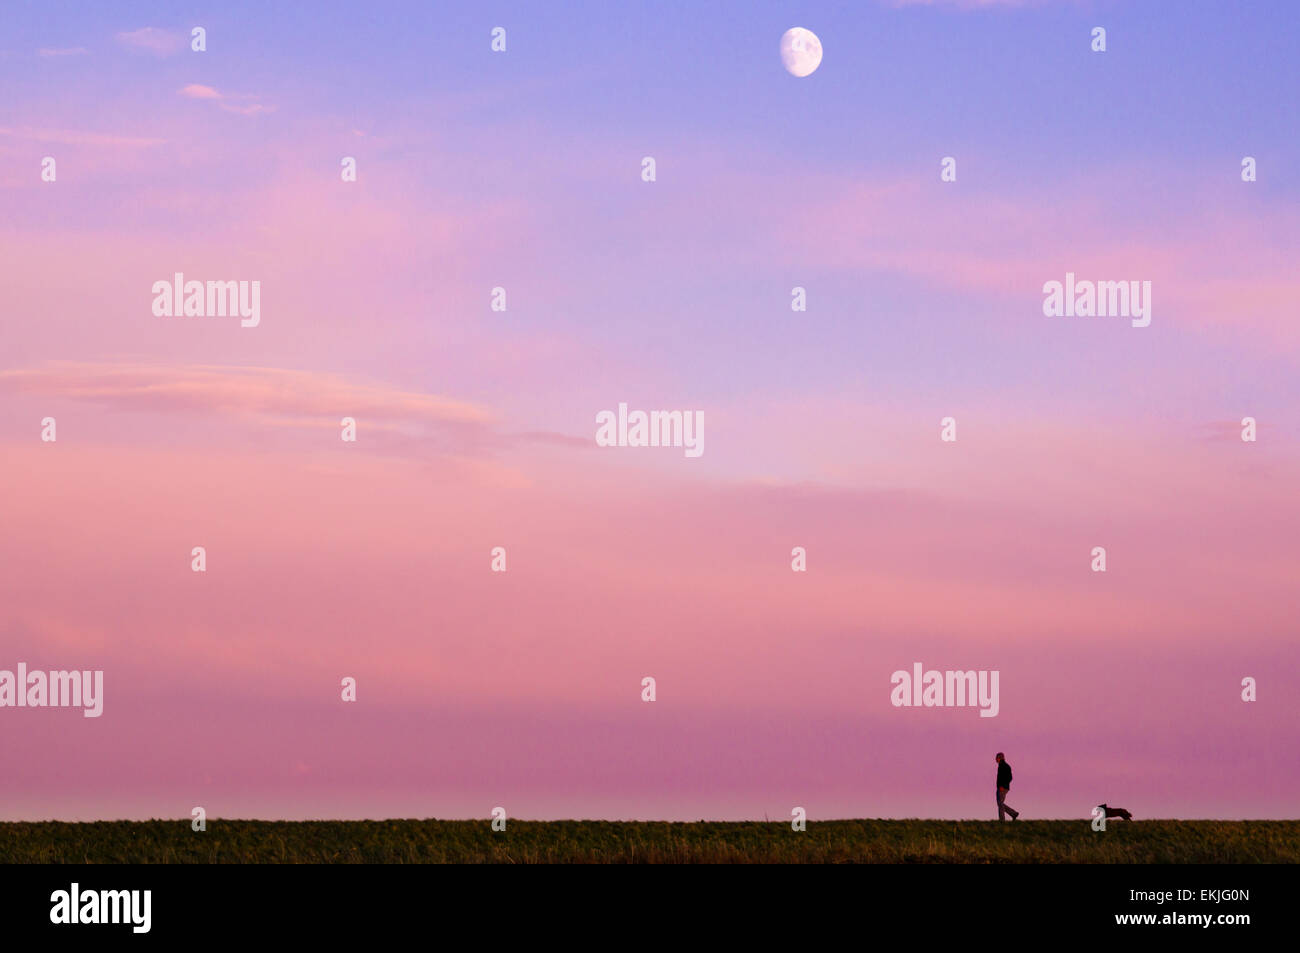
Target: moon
801	51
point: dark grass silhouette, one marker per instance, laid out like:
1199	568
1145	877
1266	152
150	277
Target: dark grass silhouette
587	842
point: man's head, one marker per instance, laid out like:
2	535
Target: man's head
999	758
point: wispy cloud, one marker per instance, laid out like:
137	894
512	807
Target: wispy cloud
266	392
411	425
198	91
1220	430
252	109
224	101
151	39
61	51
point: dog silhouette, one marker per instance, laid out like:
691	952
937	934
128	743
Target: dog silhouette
1116	812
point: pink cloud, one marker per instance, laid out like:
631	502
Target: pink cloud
253	109
197	91
1204	259
261	392
293	410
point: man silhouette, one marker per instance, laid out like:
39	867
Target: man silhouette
1004	785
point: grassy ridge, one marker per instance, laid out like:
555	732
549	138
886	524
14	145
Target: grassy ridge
474	842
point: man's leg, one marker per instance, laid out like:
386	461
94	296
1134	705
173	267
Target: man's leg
1002	793
1002	802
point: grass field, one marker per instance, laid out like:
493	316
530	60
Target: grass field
587	842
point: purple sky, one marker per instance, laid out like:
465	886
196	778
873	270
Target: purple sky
476	428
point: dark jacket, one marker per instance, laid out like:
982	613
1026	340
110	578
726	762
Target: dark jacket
1004	775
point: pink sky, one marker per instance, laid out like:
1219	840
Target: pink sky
476	429
327	559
